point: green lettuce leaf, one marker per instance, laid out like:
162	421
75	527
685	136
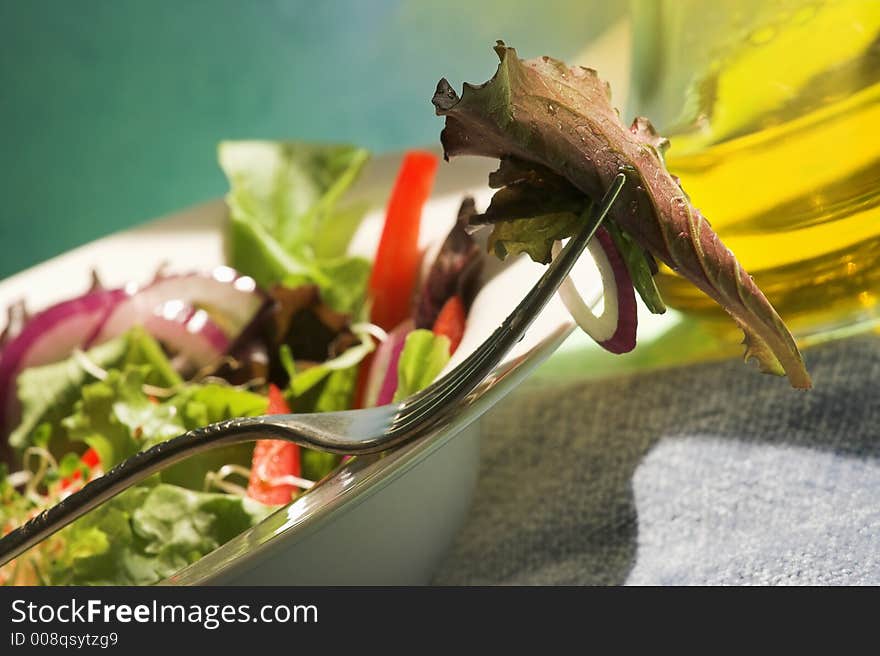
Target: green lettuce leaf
290	189
326	387
142	349
15	508
533	236
113	417
97	549
337	391
287	222
152	530
148	533
532	208
253	251
346	286
48	393
638	263
333	392
117	419
544	113
301	382
200	405
423	357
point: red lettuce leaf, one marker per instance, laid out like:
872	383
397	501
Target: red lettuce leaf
544	112
456	270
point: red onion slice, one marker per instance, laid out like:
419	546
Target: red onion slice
382	379
188	331
49	336
232	300
615	329
195	314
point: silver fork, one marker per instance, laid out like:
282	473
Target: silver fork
351	432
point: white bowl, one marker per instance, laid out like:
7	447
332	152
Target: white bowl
375	520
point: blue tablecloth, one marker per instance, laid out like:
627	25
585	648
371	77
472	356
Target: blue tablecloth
709	474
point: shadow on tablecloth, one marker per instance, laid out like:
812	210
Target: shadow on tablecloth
710	474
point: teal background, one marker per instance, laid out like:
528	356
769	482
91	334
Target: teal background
110	110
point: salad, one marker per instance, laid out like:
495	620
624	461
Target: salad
291	324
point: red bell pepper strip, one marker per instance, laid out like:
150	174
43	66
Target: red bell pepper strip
396	267
450	322
90	459
274	459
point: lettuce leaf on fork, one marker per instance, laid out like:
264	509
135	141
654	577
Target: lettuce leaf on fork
553	128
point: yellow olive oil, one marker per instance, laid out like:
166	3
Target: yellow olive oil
781	153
